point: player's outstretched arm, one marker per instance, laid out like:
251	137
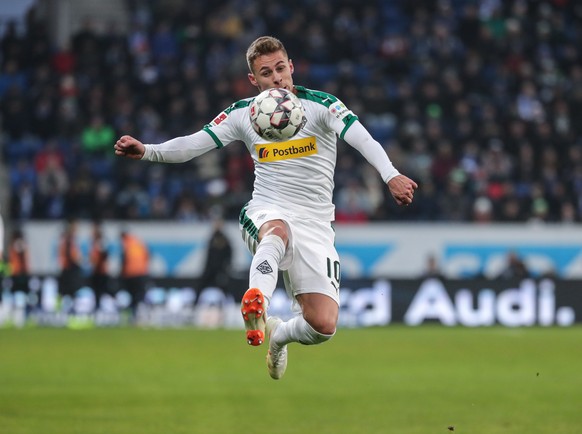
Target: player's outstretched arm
129	147
402	189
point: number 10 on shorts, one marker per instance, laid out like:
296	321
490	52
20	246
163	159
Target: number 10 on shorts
334	272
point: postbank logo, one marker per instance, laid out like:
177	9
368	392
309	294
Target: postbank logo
286	150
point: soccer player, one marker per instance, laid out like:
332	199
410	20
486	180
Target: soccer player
287	225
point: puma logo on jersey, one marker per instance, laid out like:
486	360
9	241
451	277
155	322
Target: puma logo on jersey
286	150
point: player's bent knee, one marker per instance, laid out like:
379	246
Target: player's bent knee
320	312
313	337
320	338
323	327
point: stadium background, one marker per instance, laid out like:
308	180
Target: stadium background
479	101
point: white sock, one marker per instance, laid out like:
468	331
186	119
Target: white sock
264	270
298	330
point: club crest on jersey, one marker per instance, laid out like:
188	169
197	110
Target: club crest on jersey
264	267
286	150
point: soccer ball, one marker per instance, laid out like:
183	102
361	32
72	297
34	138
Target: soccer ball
277	115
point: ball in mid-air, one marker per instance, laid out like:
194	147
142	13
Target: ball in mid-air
277	114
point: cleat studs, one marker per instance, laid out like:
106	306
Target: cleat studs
247	301
260	311
260	301
250	341
260	341
244	312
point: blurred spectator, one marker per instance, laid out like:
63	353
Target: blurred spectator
43	118
164	43
18	260
426	205
22	172
444	161
515	268
70	260
86	44
12	44
432	268
186	209
218	266
455	204
23	202
103	203
64	60
420	160
97	137
567	213
80	199
134	273
482	210
53	186
14	108
353	204
529	107
12	79
4	265
49	155
98	258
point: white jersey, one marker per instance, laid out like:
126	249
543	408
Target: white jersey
295	176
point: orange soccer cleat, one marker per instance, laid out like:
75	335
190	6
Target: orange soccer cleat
254	313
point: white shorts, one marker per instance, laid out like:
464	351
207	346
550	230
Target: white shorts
311	262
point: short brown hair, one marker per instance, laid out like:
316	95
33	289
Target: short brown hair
261	46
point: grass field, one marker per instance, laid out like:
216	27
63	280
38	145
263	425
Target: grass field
384	380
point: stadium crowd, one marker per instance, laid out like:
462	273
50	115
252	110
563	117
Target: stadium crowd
478	101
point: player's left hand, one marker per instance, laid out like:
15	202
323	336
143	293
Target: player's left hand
402	189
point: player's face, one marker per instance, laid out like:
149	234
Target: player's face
272	70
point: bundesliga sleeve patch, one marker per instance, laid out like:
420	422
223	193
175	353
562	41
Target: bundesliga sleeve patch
218	119
278	151
339	110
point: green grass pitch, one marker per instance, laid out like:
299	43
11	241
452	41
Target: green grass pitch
424	380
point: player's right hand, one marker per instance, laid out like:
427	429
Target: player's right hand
129	147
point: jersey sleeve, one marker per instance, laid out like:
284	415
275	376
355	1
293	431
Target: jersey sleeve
346	124
331	114
223	129
179	149
359	138
340	118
